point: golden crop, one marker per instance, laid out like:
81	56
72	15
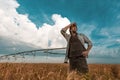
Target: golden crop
49	71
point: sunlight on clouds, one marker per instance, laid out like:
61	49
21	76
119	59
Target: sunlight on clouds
51	33
19	27
55	36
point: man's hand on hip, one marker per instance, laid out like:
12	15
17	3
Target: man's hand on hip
85	53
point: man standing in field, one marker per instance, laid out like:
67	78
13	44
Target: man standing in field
76	52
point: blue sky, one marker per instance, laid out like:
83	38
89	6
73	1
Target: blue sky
30	20
104	14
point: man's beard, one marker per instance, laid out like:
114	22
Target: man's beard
73	33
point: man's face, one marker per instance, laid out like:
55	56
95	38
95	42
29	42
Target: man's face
73	29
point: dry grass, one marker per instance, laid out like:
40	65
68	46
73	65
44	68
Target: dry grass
27	71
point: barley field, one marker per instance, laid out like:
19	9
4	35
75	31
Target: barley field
49	71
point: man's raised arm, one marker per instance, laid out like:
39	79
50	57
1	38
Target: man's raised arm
63	31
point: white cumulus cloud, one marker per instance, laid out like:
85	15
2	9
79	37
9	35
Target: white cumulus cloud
19	27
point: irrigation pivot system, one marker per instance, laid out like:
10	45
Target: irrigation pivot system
33	52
